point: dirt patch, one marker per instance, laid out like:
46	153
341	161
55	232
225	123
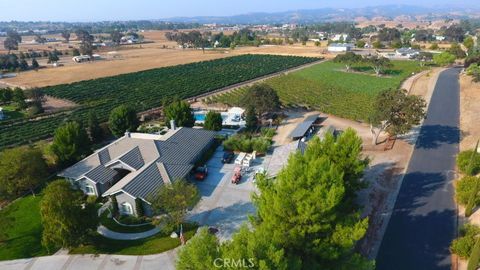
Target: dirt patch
469	112
55	104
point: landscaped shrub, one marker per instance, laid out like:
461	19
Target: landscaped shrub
114	206
139	207
474	256
244	143
268	132
468	162
92	199
464	189
261	145
462	246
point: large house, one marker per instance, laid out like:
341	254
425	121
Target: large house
136	165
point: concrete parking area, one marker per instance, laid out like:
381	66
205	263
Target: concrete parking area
225	205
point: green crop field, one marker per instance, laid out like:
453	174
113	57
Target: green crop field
145	90
328	88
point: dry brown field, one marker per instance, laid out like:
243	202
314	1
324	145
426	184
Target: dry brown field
469	112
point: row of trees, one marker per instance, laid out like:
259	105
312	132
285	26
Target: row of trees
306	218
11	62
378	64
18	97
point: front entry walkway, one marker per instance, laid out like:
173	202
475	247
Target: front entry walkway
126	236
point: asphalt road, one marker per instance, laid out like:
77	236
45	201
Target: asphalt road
423	222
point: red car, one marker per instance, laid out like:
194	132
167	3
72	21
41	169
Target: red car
201	173
237	175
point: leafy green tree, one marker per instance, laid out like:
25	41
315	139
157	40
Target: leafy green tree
360	44
348	59
378	63
19	98
255	248
116	37
6	95
52	57
457	50
70	143
304	218
200	252
66	35
468	42
434	46
86	41
262	97
309	191
377	45
213	121
93	128
180	112
21	169
123	118
444	59
66	220
396	112
251	120
35	64
174	200
11	42
424	57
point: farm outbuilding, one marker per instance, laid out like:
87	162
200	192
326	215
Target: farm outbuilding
340	47
303	129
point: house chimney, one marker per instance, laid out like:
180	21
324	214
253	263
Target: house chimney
127	134
172	124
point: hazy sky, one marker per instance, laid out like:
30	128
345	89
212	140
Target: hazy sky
97	10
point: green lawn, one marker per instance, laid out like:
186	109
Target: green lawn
328	88
24	233
152	245
11	113
114	226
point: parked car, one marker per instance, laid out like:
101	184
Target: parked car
227	157
201	173
237	175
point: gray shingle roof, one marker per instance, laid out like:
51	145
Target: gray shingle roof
175	157
101	174
150	179
133	158
184	146
104	156
303	127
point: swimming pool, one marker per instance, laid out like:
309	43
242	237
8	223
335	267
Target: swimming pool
200	116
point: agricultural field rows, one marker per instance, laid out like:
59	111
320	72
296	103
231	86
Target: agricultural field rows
329	88
145	90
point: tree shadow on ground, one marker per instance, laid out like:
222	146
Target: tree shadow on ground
419	233
432	136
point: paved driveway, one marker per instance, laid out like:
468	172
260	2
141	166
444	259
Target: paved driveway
225	205
423	221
